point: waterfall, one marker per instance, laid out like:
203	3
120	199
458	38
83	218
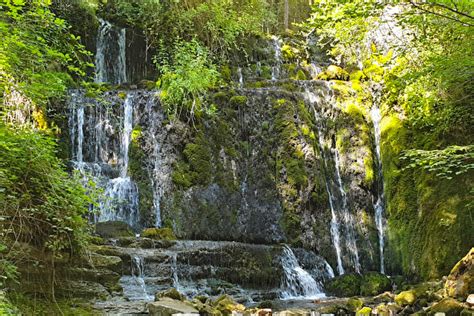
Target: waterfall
155	163
135	287
276	67
379	204
110	58
334	228
335	232
96	152
240	76
348	218
80	133
174	270
338	201
126	134
297	283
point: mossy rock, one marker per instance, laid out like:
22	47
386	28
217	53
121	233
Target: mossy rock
354	304
238	100
387	309
374	283
344	286
113	263
336	309
406	298
170	293
449	306
364	311
159	233
334	72
226	304
147	84
113	229
460	282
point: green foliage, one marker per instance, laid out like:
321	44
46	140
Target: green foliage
39	203
445	163
186	78
38	58
420	54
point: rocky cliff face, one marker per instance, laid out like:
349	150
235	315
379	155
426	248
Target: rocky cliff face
280	161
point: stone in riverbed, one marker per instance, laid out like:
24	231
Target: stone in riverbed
460	282
449	306
374	283
470	300
344	286
167	306
170	293
364	311
113	229
406	298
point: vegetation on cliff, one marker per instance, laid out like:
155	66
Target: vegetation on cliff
414	60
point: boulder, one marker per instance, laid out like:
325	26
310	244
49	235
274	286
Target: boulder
405	298
364	311
387	309
470	300
226	305
448	306
158	233
113	229
460	282
334	72
374	283
344	286
167	306
170	293
113	263
354	304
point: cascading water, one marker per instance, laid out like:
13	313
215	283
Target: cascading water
96	152
297	283
348	218
277	66
174	271
240	77
379	204
110	58
313	99
134	286
339	205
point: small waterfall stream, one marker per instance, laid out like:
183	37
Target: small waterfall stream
110	58
297	283
348	218
240	77
338	201
277	66
379	204
313	99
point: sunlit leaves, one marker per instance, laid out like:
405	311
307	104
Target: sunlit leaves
445	163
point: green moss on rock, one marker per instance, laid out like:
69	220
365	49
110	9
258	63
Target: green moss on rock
406	298
159	233
344	286
374	283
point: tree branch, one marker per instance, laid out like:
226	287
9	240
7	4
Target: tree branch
439	14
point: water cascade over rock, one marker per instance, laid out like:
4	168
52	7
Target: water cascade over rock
280	162
297	282
379	201
276	69
110	58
